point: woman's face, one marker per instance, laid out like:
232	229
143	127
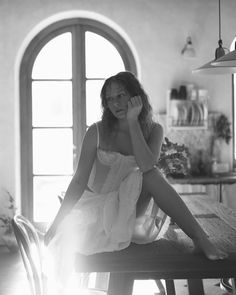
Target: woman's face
117	98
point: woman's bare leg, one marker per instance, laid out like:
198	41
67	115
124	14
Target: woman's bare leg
171	203
143	202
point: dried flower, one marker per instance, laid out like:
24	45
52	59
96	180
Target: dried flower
6	219
222	128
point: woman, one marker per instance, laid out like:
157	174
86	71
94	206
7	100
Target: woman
116	177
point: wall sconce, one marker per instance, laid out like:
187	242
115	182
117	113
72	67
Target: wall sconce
188	51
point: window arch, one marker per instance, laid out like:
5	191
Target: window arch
61	74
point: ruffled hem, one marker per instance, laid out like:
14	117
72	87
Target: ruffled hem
103	222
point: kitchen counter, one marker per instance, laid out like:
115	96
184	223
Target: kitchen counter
218	179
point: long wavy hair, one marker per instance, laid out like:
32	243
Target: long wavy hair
134	88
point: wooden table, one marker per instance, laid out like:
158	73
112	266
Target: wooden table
171	257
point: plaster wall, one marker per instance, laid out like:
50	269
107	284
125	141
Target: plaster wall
157	30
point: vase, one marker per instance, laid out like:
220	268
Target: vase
216	149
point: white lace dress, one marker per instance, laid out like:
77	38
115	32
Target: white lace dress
104	219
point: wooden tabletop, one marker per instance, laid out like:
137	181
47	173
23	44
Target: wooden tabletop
172	256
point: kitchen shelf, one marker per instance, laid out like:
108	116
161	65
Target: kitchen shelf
185	114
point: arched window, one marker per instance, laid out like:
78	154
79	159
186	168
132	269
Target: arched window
61	75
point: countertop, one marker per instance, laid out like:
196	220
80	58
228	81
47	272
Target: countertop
220	178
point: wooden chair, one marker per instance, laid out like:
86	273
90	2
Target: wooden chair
30	247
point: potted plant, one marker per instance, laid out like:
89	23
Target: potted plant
6	223
221	133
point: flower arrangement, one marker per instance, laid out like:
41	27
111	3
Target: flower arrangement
221	132
221	129
174	159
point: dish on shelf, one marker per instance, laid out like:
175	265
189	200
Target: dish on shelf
187	113
197	114
174	114
204	107
182	114
203	113
190	118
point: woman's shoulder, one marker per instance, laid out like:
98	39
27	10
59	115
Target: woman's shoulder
157	127
91	135
94	131
94	127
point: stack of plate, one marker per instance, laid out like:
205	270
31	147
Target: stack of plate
188	113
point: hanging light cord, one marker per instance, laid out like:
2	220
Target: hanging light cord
220	42
219	22
220	51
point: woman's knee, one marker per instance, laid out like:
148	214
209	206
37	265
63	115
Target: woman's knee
152	176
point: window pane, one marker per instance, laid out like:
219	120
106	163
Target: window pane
52	151
52	104
46	192
102	58
54	61
93	101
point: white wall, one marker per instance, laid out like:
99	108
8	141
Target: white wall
158	30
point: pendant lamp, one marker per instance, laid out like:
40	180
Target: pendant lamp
228	60
211	67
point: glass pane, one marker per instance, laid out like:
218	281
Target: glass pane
52	104
54	61
46	192
102	58
52	151
93	101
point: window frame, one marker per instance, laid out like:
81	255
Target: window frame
233	121
78	27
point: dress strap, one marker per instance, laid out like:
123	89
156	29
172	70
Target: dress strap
98	137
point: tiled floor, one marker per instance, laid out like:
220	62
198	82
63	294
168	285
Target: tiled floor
13	280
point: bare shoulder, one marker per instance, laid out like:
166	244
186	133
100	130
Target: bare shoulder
155	139
157	130
90	138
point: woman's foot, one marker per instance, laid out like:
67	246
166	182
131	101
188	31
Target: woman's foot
209	249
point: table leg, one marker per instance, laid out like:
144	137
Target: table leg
233	286
170	287
195	287
221	193
120	283
161	287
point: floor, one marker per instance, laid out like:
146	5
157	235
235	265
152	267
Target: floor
13	280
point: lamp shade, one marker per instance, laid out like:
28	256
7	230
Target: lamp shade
228	60
210	69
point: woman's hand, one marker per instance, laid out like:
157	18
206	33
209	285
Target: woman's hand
134	107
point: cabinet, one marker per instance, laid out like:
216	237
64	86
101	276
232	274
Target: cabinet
187	114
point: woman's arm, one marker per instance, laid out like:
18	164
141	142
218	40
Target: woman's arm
146	152
79	181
